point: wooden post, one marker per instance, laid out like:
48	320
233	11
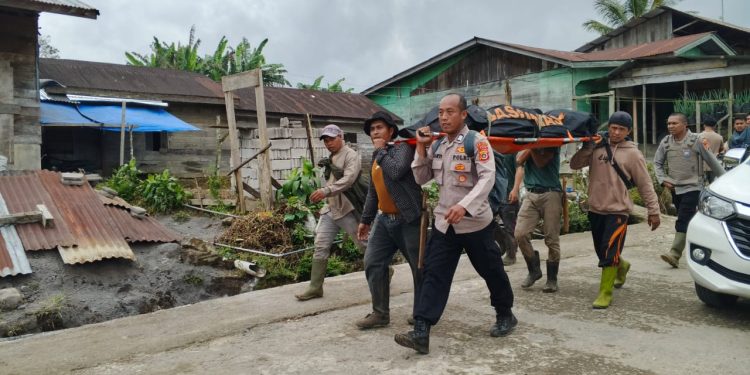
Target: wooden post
251	78
234	141
730	109
130	132
310	138
122	135
266	192
697	114
509	94
643	113
653	117
612	102
635	119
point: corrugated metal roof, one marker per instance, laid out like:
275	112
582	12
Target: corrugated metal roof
86	77
22	192
77	75
662	47
86	226
66	7
145	229
13	259
283	100
94	229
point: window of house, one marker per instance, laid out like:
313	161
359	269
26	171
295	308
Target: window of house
350	137
155	141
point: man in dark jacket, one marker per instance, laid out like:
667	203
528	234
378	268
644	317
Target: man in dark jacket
391	215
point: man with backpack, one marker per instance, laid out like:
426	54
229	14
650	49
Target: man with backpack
338	212
678	163
463	220
391	217
541	177
615	165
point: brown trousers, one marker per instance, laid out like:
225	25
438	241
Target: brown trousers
536	207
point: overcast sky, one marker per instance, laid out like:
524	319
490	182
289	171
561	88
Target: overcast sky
364	41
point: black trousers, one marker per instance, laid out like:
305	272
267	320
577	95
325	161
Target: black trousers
687	206
609	233
441	259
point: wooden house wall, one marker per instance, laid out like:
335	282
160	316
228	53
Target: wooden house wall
657	28
20	133
483	65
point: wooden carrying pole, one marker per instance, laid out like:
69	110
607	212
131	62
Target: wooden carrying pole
252	78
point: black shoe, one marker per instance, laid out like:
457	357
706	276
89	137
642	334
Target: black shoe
504	325
418	339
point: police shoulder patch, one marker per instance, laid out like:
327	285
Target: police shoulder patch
484	151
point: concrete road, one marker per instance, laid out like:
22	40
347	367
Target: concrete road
656	325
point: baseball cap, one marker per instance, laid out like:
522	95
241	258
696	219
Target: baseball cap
381	116
621	118
332	131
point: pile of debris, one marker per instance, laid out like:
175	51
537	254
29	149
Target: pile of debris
261	231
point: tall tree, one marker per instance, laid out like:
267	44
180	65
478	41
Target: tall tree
225	60
616	13
46	49
331	87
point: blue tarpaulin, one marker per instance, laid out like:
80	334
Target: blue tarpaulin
143	119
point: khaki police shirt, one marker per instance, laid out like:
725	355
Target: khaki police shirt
337	206
461	181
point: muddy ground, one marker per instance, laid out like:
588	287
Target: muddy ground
58	295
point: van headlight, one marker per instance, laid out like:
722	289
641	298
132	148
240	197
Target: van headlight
715	207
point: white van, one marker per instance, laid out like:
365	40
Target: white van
718	237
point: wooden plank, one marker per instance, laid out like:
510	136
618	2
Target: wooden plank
309	138
275	183
266	191
250	190
234	141
250	159
21	218
212	202
241	80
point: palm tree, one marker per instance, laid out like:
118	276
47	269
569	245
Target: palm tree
616	13
244	58
163	55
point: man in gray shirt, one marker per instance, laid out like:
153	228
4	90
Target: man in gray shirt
679	167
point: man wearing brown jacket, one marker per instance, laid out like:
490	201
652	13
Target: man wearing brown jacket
614	163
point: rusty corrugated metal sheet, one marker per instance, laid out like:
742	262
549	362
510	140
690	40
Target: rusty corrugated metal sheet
145	229
284	100
657	48
66	7
95	231
22	192
13	259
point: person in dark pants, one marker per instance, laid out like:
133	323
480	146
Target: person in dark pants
463	220
508	213
678	164
609	201
391	216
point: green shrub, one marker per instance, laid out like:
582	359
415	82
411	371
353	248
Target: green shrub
279	271
337	266
162	193
578	220
300	183
125	181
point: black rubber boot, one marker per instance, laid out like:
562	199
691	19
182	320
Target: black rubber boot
418	339
504	324
551	285
535	270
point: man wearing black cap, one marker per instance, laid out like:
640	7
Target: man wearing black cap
615	165
390	217
713	140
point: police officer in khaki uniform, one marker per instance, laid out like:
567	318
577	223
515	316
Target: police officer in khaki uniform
678	164
463	221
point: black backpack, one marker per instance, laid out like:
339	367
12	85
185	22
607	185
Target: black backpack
497	195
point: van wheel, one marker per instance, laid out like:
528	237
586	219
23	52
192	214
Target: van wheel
714	299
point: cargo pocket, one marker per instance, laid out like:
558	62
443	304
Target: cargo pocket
461	173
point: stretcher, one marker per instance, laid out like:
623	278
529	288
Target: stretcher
508	145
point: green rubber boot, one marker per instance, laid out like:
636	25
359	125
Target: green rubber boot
317	274
605	287
675	253
622	271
